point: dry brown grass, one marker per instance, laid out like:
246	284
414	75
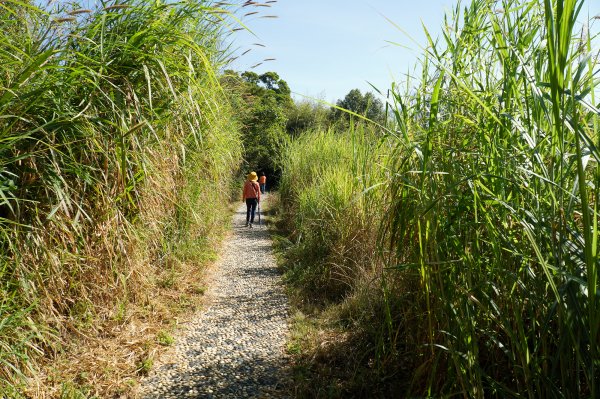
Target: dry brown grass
110	306
107	361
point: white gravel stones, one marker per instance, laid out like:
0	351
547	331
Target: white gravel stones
236	347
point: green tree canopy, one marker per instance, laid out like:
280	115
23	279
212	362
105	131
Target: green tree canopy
262	103
366	105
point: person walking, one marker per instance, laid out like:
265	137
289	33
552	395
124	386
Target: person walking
251	195
262	181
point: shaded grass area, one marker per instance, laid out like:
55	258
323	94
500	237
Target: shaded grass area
337	356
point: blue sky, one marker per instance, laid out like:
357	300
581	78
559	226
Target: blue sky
325	48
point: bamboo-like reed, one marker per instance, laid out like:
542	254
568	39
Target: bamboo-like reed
494	202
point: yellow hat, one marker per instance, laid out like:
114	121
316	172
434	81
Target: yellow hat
252	176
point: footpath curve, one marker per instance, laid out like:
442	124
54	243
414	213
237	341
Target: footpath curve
234	347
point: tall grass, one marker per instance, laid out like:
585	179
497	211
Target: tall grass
331	207
327	207
493	203
115	154
488	209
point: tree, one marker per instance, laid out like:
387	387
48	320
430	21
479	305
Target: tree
366	105
262	103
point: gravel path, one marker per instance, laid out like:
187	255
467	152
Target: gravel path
235	348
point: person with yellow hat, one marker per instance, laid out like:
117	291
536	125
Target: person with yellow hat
251	195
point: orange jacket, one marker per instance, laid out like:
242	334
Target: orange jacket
251	190
262	179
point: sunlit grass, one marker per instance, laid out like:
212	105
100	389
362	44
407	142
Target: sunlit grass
488	212
116	156
327	204
487	206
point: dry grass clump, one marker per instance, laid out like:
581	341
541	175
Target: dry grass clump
109	358
106	343
331	229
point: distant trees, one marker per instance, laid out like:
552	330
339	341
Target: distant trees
262	103
268	115
307	115
366	105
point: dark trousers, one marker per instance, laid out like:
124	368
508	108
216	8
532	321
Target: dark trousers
262	188
250	209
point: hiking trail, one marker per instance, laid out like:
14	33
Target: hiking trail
235	346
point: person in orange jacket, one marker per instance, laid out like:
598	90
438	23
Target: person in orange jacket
262	181
251	195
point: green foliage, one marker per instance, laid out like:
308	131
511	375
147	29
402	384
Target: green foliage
268	85
488	210
164	338
355	102
262	103
331	207
493	204
306	115
145	365
325	176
